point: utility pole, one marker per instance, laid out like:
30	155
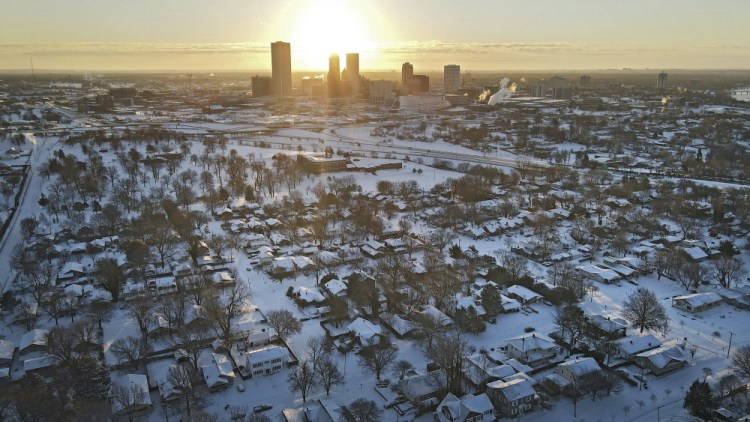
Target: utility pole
731	334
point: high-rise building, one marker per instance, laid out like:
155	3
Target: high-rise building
334	75
538	90
585	82
407	72
419	83
352	70
261	86
451	78
381	92
661	82
281	69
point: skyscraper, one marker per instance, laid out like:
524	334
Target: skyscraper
352	70
334	75
661	82
281	69
261	86
585	81
407	72
451	78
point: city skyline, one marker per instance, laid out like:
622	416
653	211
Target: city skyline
481	35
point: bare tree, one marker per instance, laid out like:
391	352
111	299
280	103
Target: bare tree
727	270
447	351
318	349
363	410
198	286
302	379
741	360
515	265
181	377
100	311
283	322
39	278
429	326
111	276
221	310
691	274
328	374
193	339
401	367
129	399
571	322
142	311
377	357
61	343
130	350
643	310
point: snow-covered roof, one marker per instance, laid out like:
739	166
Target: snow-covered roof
699	299
36	337
336	286
6	349
309	294
696	253
531	341
581	366
637	344
460	409
130	382
364	329
212	376
603	273
266	354
437	314
513	390
662	356
523	293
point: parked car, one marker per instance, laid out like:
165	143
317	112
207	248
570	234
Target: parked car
241	387
261	408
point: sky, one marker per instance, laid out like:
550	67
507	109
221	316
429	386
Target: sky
479	35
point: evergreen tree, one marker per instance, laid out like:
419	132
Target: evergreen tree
700	400
491	301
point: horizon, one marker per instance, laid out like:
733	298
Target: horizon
190	36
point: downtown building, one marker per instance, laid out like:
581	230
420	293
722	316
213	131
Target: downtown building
281	69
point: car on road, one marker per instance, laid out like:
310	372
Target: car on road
261	408
241	388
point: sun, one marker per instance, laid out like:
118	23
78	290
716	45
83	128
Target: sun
325	27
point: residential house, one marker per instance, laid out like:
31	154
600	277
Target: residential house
662	359
423	387
512	398
365	331
7	349
523	295
608	327
578	370
265	361
466	409
628	347
697	302
136	386
532	349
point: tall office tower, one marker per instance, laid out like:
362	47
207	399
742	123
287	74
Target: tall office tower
451	78
334	75
352	70
381	92
585	82
407	72
661	82
281	69
538	90
261	86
